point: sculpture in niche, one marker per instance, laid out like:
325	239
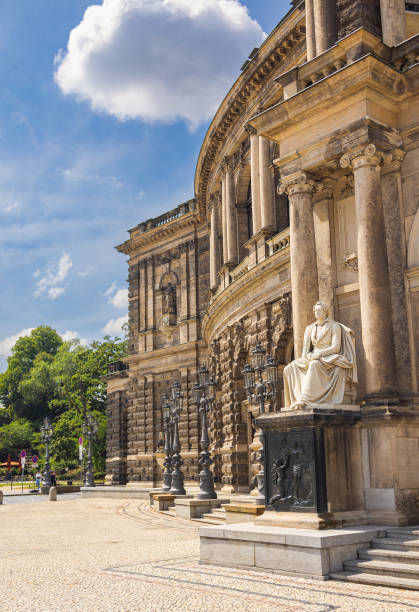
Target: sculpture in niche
328	360
169	299
292	475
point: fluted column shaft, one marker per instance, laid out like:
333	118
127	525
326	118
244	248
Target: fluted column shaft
231	219
310	36
266	188
374	285
391	190
224	218
255	182
214	263
393	21
304	278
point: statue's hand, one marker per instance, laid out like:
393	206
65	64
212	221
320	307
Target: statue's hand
317	355
309	356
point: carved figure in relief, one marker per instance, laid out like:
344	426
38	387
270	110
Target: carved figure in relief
169	299
319	376
288	472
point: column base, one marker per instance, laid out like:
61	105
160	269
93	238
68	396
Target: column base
297	520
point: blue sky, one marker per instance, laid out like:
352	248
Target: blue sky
110	140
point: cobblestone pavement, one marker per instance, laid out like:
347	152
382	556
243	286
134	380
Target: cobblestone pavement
99	555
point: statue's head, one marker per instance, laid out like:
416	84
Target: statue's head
321	310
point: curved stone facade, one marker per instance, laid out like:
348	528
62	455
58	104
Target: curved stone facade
305	189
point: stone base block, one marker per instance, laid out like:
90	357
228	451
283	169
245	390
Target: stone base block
164	501
195	508
115	492
298	520
299	552
243	512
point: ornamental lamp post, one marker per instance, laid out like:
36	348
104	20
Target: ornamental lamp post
47	431
90	428
167	474
258	392
176	404
204	393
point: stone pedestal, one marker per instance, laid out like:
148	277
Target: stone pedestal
312	466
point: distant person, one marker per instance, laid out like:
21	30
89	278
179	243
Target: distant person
53	479
38	478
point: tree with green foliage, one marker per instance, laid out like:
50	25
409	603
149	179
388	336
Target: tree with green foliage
46	376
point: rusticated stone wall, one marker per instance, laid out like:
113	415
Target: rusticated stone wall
116	436
231	429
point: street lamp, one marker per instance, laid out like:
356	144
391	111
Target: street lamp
204	397
90	427
258	392
167	474
176	404
47	431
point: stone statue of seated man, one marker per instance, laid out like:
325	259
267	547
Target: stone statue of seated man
328	360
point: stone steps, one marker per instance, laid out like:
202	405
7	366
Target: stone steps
386	568
209	519
396	544
377	580
392	561
398	556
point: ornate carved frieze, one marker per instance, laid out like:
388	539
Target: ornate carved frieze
345	187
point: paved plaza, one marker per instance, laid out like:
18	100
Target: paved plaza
100	555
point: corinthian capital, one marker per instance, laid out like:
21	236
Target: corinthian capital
367	155
299	182
250	130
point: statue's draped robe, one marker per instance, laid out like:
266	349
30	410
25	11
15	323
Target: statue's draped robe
322	381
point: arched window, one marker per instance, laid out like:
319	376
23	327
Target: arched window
249	212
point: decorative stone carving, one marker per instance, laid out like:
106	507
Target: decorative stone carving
299	182
328	359
295	467
350	262
369	152
346	187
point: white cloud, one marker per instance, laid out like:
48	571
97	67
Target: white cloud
72	335
12	207
114	326
77	175
55	275
86	272
54	292
120	299
111	289
8	343
157	59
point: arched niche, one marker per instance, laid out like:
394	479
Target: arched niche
413	246
168	290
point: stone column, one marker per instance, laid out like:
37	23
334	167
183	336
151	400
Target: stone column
266	190
310	35
391	190
224	215
326	272
304	280
393	21
374	285
255	178
214	261
231	218
325	24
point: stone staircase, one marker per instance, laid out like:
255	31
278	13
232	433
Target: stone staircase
217	516
392	561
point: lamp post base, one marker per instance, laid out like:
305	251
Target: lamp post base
177	487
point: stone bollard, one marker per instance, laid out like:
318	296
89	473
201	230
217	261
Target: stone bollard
1	497
53	494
